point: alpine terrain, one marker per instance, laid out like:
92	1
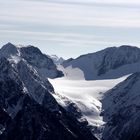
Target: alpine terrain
93	97
105	87
109	63
28	110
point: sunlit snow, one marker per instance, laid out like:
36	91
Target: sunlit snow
86	94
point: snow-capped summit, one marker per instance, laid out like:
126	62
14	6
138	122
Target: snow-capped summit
109	63
33	56
8	49
23	73
32	67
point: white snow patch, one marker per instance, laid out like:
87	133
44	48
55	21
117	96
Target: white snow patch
15	59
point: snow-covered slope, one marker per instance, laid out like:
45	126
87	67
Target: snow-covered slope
85	96
121	110
28	109
106	64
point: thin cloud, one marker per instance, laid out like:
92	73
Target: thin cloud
65	38
70	15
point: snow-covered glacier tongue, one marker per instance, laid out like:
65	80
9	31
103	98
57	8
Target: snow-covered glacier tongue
27	108
83	99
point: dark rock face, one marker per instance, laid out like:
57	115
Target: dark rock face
28	111
34	56
34	122
41	61
4	120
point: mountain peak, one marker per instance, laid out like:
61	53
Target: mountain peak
33	56
31	49
122	48
9	44
127	46
12	49
9	48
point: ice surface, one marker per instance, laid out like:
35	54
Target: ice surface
86	95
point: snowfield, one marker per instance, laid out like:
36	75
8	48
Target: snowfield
85	94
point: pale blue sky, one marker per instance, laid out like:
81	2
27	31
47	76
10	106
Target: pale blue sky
70	28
